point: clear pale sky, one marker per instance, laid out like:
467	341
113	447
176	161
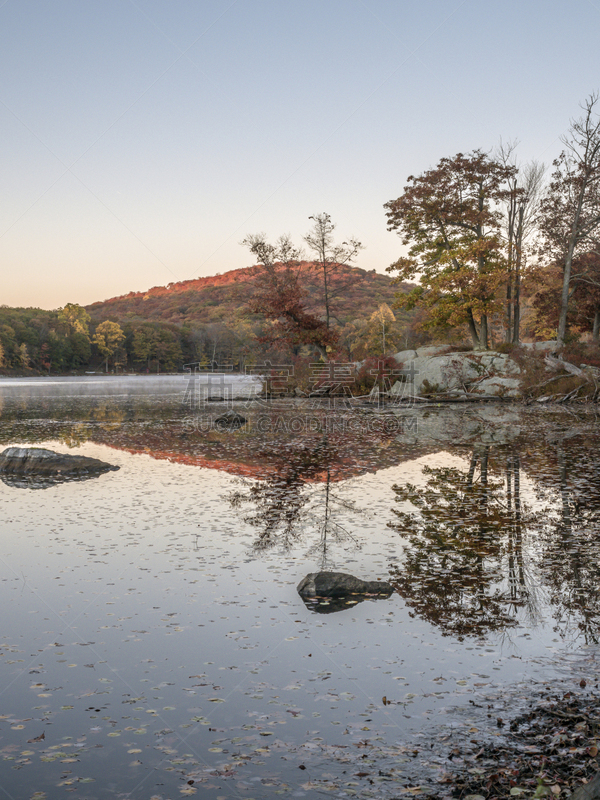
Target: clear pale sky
143	139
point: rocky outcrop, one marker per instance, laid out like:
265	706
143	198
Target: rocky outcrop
541	347
433	370
36	468
501	387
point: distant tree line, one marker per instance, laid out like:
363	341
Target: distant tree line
69	340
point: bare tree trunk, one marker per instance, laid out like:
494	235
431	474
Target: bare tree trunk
516	332
326	289
473	329
483	333
564	298
596	328
518	259
509	322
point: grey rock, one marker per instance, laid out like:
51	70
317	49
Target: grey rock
444	373
454	371
339	584
499	386
430	350
231	419
405	355
589	791
37	468
541	347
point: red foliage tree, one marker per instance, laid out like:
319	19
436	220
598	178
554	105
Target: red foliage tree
278	296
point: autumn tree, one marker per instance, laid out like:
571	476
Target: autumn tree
330	258
108	338
586	274
75	319
584	295
373	336
570	210
143	344
449	218
279	299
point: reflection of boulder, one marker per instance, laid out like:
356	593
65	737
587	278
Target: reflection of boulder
332	604
497	424
230	419
35	468
339	584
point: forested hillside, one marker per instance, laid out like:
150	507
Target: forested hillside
223	298
206	319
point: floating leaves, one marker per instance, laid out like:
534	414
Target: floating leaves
288	694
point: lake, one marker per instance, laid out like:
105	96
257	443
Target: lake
154	644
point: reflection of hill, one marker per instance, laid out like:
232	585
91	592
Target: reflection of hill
261	449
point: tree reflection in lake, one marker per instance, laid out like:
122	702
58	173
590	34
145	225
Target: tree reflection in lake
478	560
299	496
571	558
463	569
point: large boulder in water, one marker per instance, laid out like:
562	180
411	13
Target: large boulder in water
36	468
339	584
328	592
231	419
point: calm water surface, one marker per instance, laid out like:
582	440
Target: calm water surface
152	632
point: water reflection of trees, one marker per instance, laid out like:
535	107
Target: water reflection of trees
300	497
571	538
464	568
478	560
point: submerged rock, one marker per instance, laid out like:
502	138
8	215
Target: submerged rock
230	419
36	468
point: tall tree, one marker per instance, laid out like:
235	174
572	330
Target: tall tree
108	337
570	210
330	258
586	274
584	296
278	296
449	217
75	319
520	211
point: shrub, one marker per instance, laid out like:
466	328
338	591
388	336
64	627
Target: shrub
367	374
582	353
